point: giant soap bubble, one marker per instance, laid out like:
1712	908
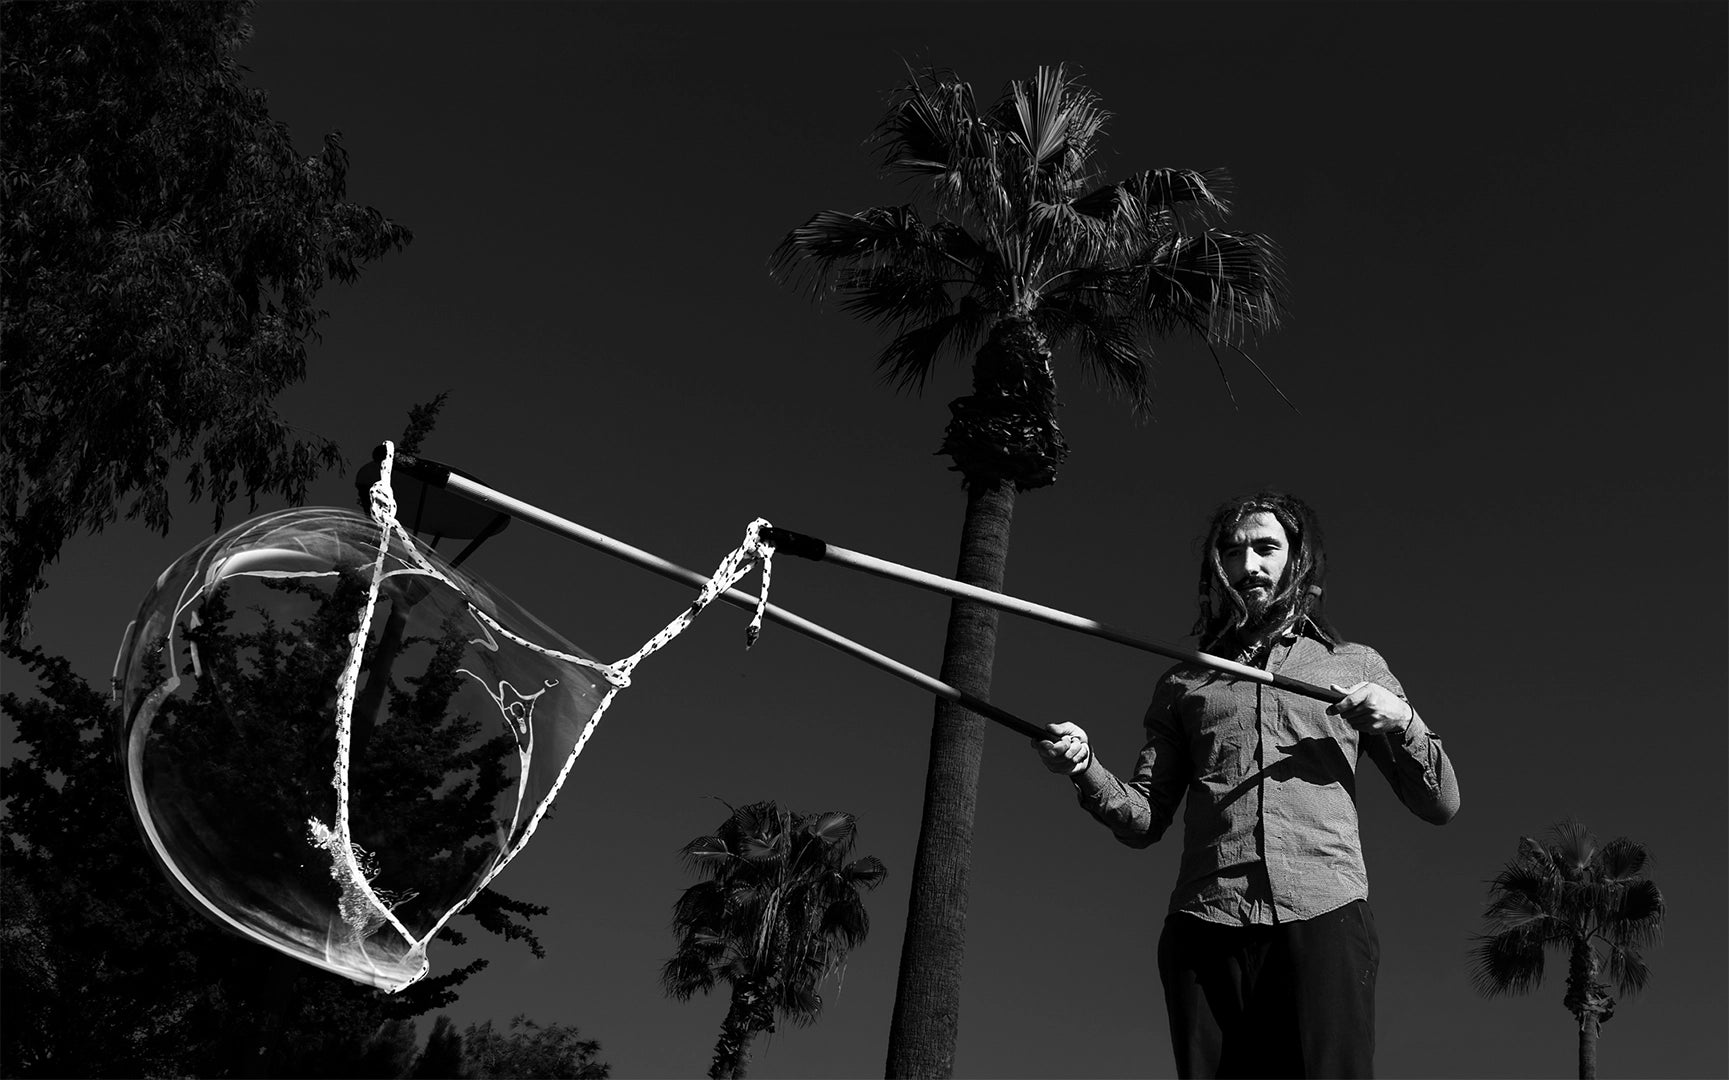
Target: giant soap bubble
342	804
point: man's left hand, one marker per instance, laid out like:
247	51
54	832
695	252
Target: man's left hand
1369	706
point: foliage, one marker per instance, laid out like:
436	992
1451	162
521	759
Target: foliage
527	1049
777	912
125	979
422	419
442	1056
1015	251
391	1050
1592	903
480	1052
163	250
1025	237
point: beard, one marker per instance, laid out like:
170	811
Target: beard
1260	607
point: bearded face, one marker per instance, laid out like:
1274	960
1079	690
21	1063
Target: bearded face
1255	554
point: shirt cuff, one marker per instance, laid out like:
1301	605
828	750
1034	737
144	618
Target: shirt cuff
1089	782
1415	730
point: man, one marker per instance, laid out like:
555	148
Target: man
1269	954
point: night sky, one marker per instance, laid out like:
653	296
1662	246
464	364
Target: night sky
1505	233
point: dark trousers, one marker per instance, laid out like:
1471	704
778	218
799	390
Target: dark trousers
1297	999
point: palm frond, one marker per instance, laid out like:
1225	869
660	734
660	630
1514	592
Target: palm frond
702	906
899	296
1056	225
1573	848
830	240
1517	904
834	828
1220	286
685	975
935	132
1203	191
846	921
1153	207
1226	378
1628	969
866	873
1108	344
1643	902
704	855
798	1002
1262	372
1524	887
1622	858
907	361
1530	851
929	124
1638	917
1053	118
1510	962
765	847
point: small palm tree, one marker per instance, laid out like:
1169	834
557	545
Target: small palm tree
779	909
1025	252
1571	894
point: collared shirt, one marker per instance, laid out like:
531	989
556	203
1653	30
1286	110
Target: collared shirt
1270	831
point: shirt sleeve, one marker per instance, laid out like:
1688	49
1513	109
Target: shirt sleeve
1413	761
1139	810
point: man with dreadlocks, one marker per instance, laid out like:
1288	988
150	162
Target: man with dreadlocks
1269	954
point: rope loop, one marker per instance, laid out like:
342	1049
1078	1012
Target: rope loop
380	498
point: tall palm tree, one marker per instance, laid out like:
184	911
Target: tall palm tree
778	911
1027	252
1588	901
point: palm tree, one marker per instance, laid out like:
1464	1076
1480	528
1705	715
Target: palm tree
778	911
1028	252
1572	895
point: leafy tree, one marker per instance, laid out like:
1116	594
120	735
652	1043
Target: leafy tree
778	911
164	246
128	981
391	1051
1026	252
527	1049
1593	903
442	1056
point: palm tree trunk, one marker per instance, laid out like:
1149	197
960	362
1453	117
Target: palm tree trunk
926	1019
1589	1002
1589	1027
749	1012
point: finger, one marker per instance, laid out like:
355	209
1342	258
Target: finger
1351	702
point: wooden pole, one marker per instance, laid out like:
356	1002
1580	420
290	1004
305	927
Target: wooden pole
431	472
809	547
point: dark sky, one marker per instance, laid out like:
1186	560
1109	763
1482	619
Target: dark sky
1505	231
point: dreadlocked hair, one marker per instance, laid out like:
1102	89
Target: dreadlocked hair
1300	594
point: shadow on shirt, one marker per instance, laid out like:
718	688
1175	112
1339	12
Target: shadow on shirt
1313	760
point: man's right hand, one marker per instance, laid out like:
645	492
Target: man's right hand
1066	751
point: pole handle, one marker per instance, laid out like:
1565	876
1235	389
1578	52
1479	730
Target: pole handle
796	543
810	547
